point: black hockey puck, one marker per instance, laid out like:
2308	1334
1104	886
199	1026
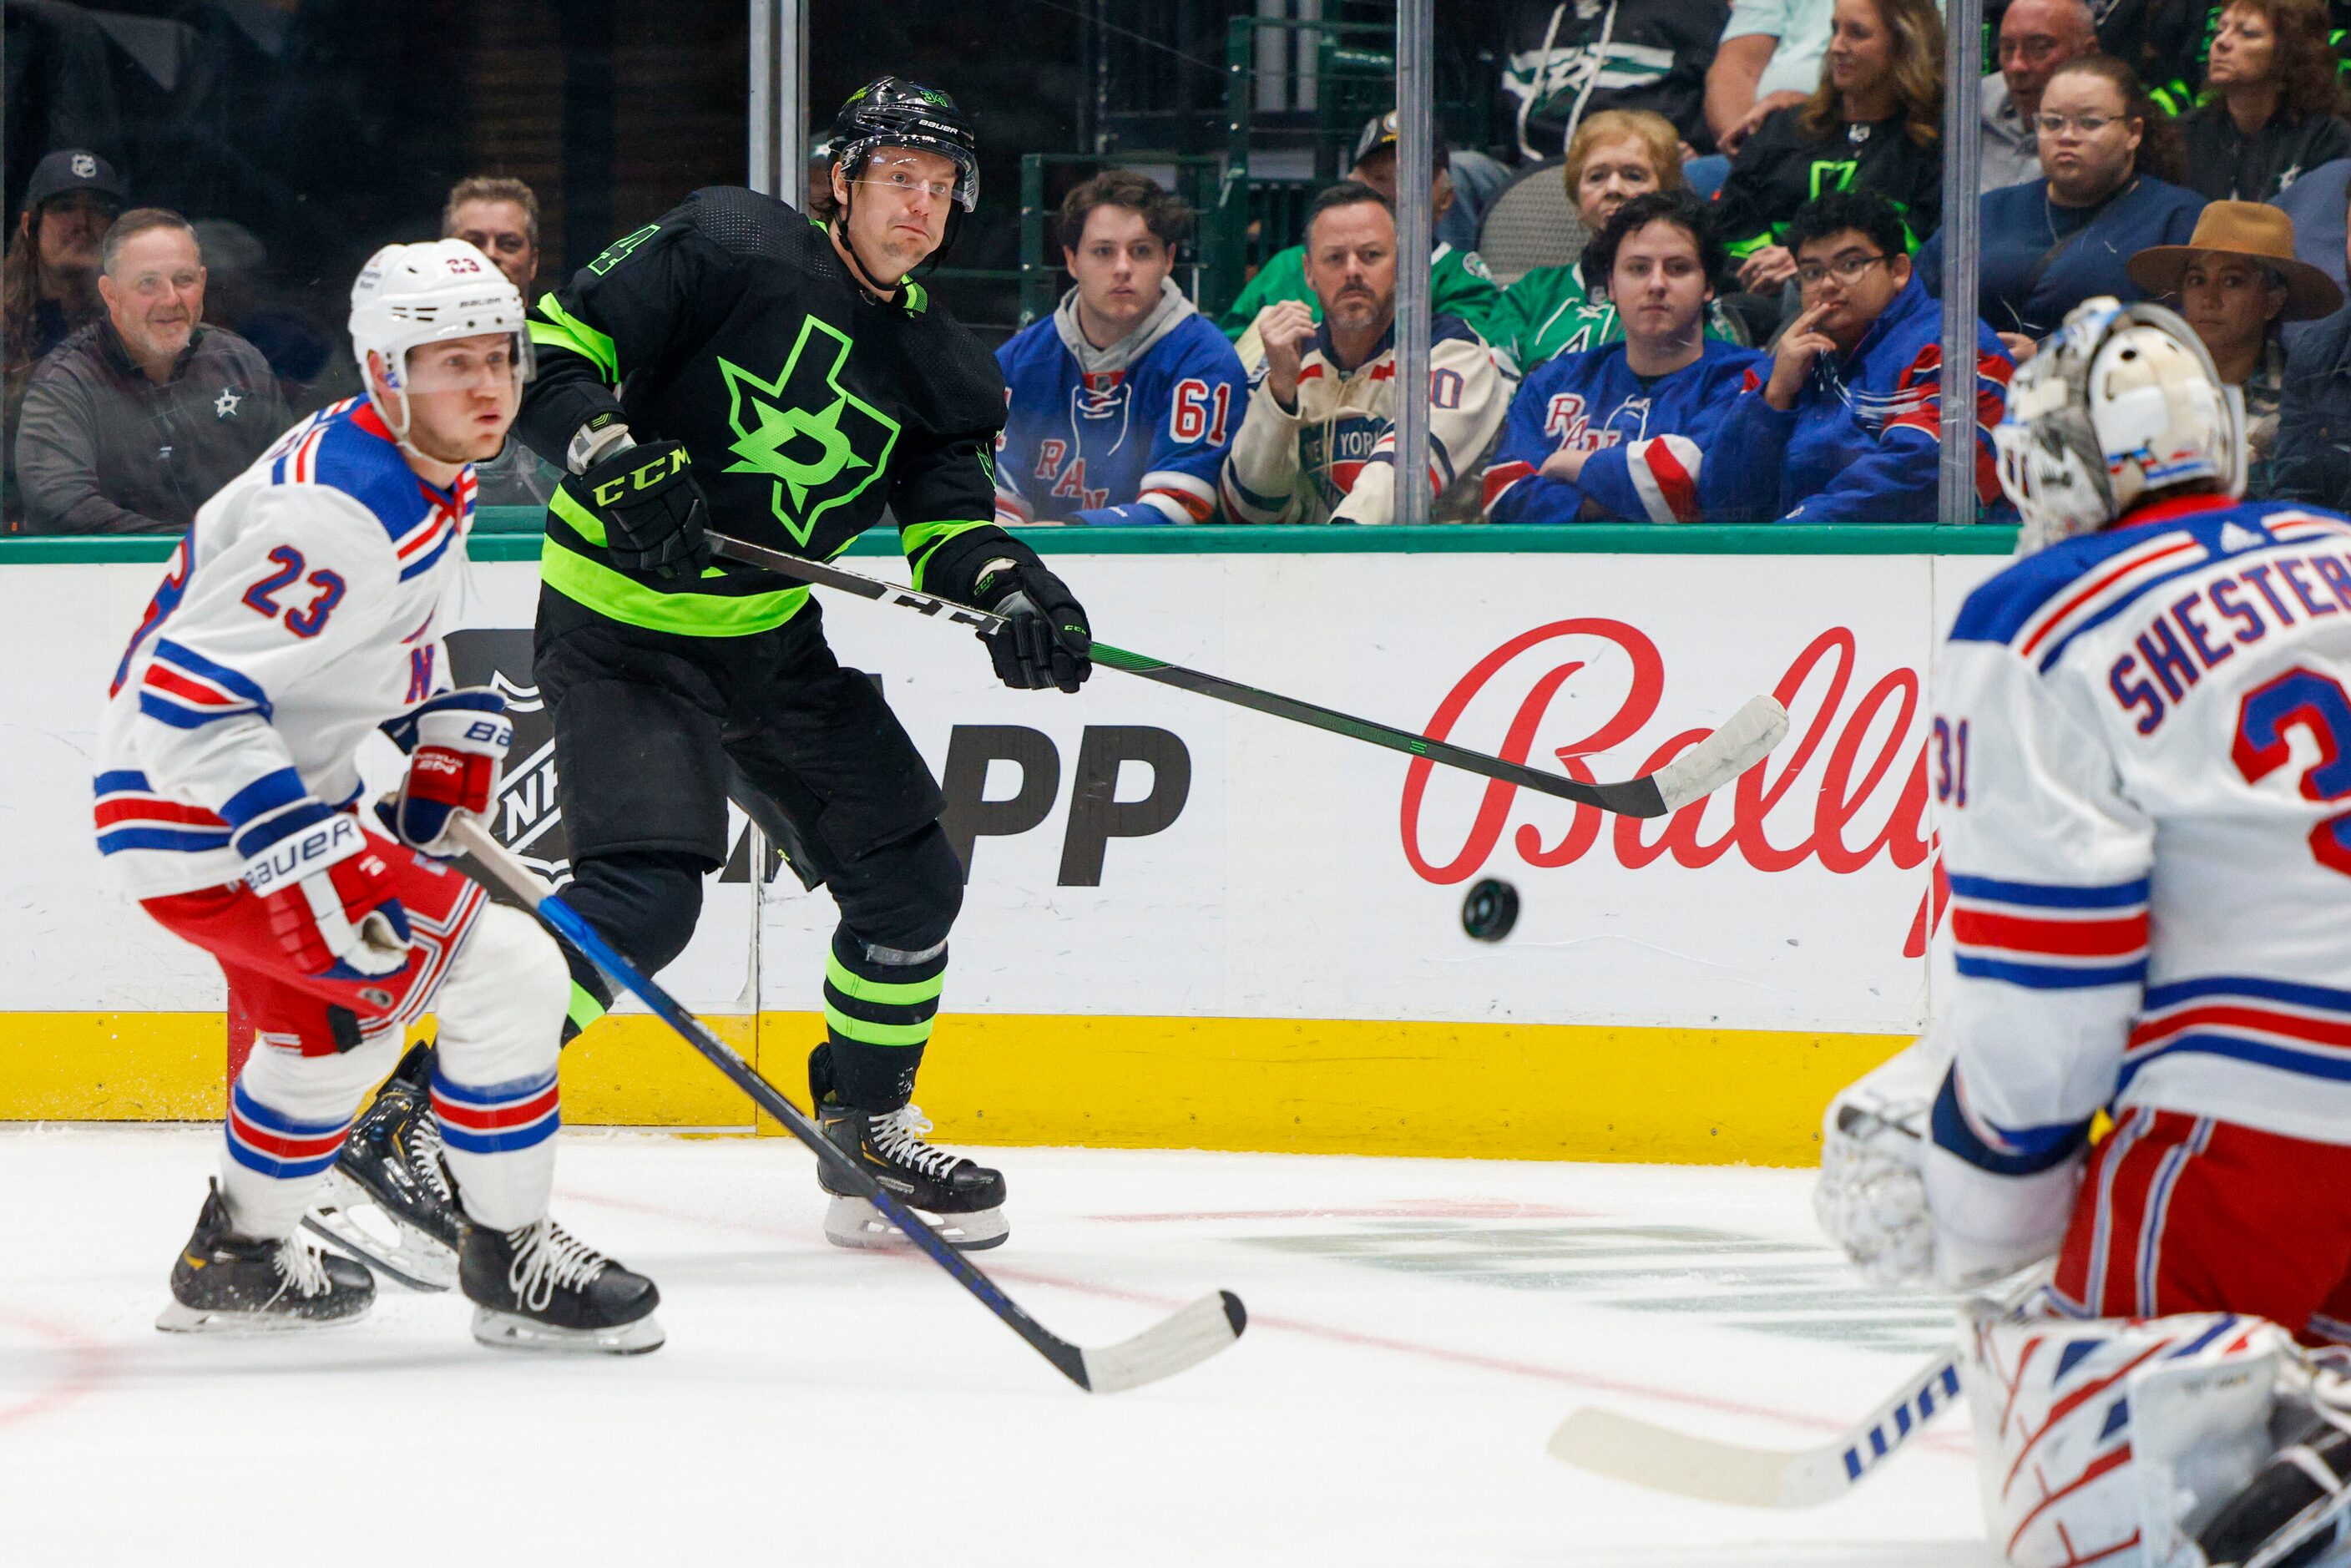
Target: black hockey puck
1490	909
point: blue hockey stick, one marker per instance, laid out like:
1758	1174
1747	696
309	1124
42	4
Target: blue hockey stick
1189	1337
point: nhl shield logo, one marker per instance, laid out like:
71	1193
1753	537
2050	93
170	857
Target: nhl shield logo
530	821
85	167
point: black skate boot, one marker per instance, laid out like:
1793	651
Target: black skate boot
227	1283
537	1289
389	1202
964	1200
2291	1514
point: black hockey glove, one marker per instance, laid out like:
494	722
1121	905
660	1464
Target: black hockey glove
1045	641
653	513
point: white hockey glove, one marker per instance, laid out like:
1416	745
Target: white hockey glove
1872	1198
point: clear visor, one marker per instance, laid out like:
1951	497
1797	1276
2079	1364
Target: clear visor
907	173
465	364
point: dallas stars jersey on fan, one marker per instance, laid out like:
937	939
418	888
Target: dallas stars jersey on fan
731	325
1132	434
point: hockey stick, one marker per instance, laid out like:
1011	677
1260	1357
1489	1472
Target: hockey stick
1184	1340
1663	1459
1737	746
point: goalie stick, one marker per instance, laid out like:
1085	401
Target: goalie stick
1743	740
1663	1459
1184	1340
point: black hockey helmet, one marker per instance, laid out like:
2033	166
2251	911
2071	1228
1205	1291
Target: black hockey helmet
890	111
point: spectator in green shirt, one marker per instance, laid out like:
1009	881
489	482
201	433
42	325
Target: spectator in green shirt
1459	284
1614	156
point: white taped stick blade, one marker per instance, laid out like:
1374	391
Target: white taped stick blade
1607	1444
1190	1337
1743	741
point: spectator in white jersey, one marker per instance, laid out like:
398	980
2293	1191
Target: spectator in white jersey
1318	443
1121	404
499	217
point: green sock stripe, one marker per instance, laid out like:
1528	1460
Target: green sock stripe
891	993
867	1033
585	1008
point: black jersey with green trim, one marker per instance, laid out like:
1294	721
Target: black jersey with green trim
807	405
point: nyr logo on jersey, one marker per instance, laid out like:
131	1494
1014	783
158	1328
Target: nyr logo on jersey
1066	475
1568	421
821	443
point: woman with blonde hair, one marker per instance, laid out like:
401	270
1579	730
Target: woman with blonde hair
1874	122
1614	156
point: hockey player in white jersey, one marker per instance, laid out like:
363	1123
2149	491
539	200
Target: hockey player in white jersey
299	615
2141	755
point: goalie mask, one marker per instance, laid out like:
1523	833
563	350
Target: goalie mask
410	295
2121	405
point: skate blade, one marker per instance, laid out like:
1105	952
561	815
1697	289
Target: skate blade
181	1319
350	1220
508	1330
854	1222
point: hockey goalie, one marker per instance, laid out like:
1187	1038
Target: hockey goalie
2141	756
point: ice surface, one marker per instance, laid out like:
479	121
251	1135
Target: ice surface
1418	1329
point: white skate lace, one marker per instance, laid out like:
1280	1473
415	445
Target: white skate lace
898	1135
425	1157
547	1258
302	1269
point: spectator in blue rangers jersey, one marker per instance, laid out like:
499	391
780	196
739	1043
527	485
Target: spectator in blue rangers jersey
1319	443
1620	431
1847	428
1121	405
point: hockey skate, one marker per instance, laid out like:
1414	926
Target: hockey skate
388	1201
538	1288
962	1200
227	1283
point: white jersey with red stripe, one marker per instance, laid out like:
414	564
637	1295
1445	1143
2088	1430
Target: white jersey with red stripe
2141	753
1330	458
299	613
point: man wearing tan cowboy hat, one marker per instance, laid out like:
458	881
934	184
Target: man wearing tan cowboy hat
2238	282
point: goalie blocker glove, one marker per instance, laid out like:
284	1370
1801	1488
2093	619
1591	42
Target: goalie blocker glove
652	508
456	745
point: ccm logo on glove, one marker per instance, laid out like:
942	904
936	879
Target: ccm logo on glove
644	476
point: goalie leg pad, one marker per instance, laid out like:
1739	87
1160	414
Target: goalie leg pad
2113	1442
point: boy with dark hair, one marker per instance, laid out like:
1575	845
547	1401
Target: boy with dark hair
1846	423
1621	431
1121	405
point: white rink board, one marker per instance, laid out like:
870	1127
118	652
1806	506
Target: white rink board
1302	876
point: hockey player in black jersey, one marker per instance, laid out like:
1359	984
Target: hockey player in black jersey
740	368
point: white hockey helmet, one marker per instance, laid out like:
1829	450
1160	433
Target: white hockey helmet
2121	402
409	295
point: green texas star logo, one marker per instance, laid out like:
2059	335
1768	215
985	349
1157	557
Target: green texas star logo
819	443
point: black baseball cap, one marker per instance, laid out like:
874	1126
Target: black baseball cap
73	170
1379	133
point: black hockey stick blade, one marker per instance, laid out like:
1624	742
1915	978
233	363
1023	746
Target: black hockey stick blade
1723	756
1184	1340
